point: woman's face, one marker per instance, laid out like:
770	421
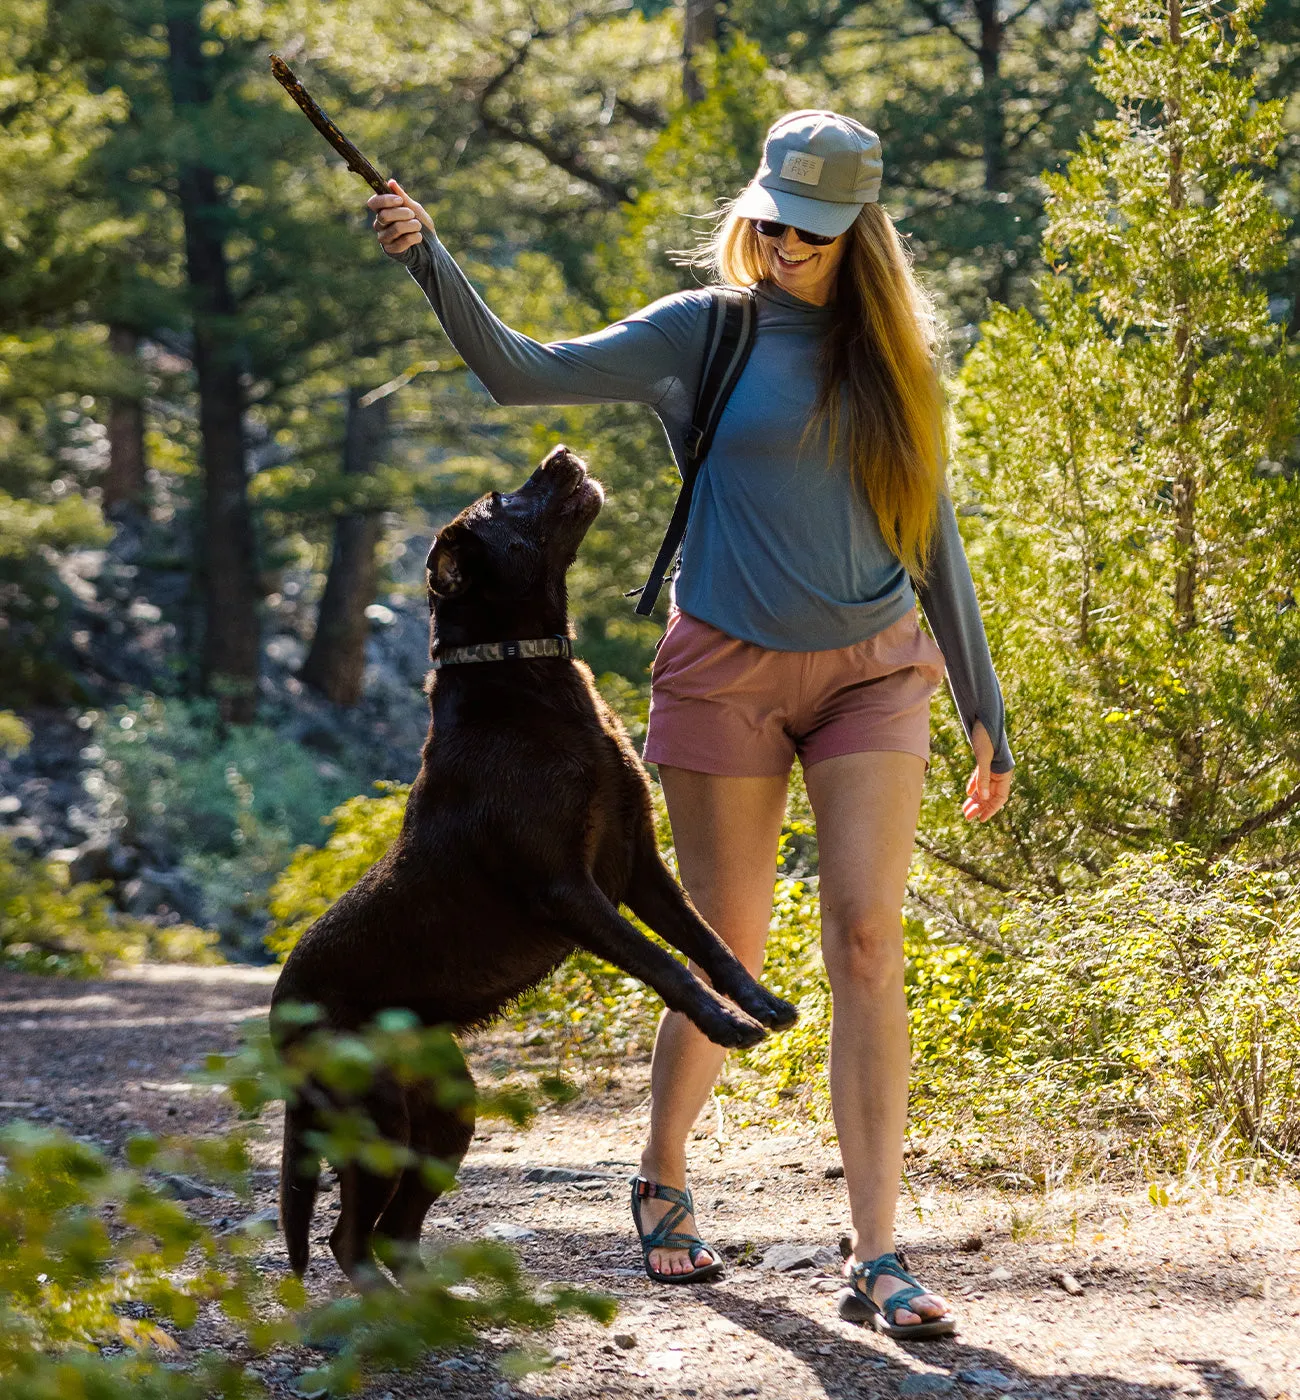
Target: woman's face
803	269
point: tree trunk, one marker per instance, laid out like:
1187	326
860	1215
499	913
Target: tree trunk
124	481
335	665
994	117
231	639
1190	792
699	27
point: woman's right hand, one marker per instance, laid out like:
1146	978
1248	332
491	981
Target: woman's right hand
398	220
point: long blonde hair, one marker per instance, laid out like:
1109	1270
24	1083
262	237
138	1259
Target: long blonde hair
883	350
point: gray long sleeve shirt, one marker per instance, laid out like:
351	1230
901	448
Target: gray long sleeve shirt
782	547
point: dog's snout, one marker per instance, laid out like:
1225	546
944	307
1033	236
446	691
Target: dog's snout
564	467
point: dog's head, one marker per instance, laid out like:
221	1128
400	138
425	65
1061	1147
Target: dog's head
497	571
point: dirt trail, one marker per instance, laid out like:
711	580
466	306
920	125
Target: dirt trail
1200	1297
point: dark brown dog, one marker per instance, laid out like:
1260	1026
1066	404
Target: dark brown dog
529	823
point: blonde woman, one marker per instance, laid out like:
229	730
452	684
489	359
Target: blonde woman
819	519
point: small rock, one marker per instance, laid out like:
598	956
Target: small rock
788	1255
755	1187
508	1233
185	1188
1068	1282
560	1353
270	1216
665	1360
827	1285
834	1173
565	1174
924	1383
625	1340
1000	1275
972	1244
986	1375
537	1037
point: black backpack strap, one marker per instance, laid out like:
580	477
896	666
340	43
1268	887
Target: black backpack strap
729	340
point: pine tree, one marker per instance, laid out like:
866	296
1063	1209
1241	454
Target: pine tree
1126	447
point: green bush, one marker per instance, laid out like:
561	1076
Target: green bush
232	802
93	1255
1154	1017
361	830
49	925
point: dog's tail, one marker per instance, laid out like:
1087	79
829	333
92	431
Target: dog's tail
299	1179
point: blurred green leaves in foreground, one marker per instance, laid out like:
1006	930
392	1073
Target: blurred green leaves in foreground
102	1275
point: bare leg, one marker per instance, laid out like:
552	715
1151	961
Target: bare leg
866	806
726	831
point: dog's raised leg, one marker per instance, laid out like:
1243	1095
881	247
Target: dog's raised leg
582	912
661	903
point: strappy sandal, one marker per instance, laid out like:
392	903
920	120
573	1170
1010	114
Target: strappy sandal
665	1234
857	1305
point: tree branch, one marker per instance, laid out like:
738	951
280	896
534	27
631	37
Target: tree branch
966	868
940	21
512	128
1261	819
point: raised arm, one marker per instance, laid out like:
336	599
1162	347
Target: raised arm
948	597
636	360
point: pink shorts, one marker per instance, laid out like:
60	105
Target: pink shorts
719	705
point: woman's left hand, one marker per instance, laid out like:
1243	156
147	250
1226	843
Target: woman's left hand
986	791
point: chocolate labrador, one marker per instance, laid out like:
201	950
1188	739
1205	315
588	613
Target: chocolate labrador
528	825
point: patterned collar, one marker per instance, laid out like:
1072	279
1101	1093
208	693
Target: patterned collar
525	650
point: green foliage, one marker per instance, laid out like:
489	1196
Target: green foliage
1160	1008
32	536
49	925
1166	1002
361	830
236	802
1131	512
92	1254
14	734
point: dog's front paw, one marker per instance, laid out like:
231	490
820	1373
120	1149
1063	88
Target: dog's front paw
727	1025
773	1011
765	1007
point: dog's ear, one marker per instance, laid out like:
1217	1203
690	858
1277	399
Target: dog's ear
450	561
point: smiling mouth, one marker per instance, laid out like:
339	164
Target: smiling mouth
792	262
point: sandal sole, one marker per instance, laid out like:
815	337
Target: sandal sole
852	1309
701	1274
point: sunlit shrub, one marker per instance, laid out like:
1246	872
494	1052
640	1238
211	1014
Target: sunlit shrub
1157	1014
361	830
49	925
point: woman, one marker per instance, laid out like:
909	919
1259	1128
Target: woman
818	520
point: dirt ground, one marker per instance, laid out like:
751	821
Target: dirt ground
1198	1297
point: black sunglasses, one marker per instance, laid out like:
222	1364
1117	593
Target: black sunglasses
769	228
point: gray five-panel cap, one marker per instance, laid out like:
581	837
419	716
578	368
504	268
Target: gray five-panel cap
818	170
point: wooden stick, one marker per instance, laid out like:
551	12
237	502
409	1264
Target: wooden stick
287	79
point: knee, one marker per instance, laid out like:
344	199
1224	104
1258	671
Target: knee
864	948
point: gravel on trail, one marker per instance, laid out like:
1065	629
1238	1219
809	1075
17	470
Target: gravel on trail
1083	1292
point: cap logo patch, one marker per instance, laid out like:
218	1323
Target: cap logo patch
800	166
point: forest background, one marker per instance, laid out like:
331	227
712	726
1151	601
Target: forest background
229	427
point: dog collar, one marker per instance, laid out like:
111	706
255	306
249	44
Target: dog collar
526	650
